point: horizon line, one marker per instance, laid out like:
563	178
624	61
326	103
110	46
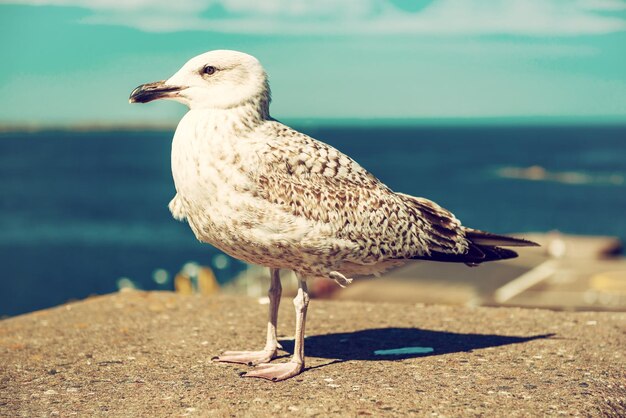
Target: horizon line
494	121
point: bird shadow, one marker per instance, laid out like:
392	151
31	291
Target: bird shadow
399	343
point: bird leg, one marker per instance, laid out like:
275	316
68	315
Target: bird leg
293	367
340	279
268	353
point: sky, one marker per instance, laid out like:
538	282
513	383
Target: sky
74	62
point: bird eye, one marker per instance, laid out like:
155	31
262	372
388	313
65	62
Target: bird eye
209	70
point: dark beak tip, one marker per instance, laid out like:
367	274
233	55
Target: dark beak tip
133	95
152	91
136	94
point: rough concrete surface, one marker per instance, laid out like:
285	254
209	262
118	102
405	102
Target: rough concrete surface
148	354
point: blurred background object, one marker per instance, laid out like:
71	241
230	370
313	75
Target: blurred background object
513	116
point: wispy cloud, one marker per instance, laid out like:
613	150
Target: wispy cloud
433	17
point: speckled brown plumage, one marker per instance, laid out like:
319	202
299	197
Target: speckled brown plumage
313	180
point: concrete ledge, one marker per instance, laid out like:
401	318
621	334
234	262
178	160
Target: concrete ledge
147	354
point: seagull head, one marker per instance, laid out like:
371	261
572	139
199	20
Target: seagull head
214	80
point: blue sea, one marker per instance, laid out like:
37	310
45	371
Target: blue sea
82	212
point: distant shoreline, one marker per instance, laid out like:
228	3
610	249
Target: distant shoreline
469	122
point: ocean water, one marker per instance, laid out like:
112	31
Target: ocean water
81	210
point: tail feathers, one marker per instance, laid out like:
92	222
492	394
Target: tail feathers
496	253
487	238
475	255
483	247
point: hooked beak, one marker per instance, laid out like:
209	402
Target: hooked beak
154	91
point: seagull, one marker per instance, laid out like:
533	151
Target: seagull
267	194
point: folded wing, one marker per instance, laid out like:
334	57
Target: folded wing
310	179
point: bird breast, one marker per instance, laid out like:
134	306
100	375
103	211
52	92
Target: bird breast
208	158
213	168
